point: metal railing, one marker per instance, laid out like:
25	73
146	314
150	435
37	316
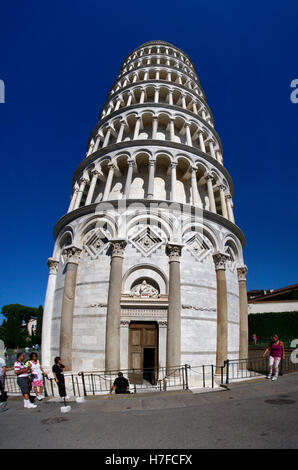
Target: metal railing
100	382
248	368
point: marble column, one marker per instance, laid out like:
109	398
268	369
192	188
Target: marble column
209	179
188	135
211	146
150	194
72	254
174	308
96	145
202	144
124	343
128	178
196	200
162	346
173	181
109	181
112	353
230	208
154	127
95	175
121	131
222	189
107	137
222	310
83	182
73	199
46	341
243	313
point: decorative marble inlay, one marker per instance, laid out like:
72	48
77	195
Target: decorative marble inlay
146	241
94	243
199	246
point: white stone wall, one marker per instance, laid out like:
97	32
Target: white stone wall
198	298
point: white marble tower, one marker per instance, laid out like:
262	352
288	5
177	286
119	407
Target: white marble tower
147	268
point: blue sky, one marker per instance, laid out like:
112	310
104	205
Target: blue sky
59	61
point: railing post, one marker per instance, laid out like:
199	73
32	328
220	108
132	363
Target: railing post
227	362
204	376
212	374
83	382
44	386
52	387
134	381
73	386
92	384
221	374
186	377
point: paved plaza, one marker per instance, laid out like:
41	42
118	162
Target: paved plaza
259	414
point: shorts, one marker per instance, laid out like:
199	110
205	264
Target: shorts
24	384
37	383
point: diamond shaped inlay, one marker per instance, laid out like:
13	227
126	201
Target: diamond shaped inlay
94	243
199	246
146	241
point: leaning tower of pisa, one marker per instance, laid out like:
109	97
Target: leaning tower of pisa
147	268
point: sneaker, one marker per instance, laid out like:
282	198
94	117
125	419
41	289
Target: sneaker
31	405
39	397
274	377
268	376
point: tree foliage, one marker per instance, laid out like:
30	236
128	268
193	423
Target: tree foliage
13	330
284	324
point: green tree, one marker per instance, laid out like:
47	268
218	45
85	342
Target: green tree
17	317
13	330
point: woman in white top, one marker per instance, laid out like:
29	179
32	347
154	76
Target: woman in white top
36	375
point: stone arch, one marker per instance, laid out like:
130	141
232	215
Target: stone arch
192	227
105	223
145	271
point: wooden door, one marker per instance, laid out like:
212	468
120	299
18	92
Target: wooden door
141	336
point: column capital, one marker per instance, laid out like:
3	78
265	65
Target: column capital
96	172
72	254
220	260
228	195
173	251
53	265
173	164
118	247
124	323
162	323
208	176
222	186
84	180
242	272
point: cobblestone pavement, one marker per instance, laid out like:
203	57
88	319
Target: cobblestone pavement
252	415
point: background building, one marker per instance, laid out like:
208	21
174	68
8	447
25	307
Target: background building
284	299
147	268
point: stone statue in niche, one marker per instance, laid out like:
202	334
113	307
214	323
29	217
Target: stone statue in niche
144	290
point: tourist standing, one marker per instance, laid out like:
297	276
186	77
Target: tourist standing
37	373
3	393
276	351
22	373
58	369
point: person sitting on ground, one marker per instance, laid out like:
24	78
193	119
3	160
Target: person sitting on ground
121	384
